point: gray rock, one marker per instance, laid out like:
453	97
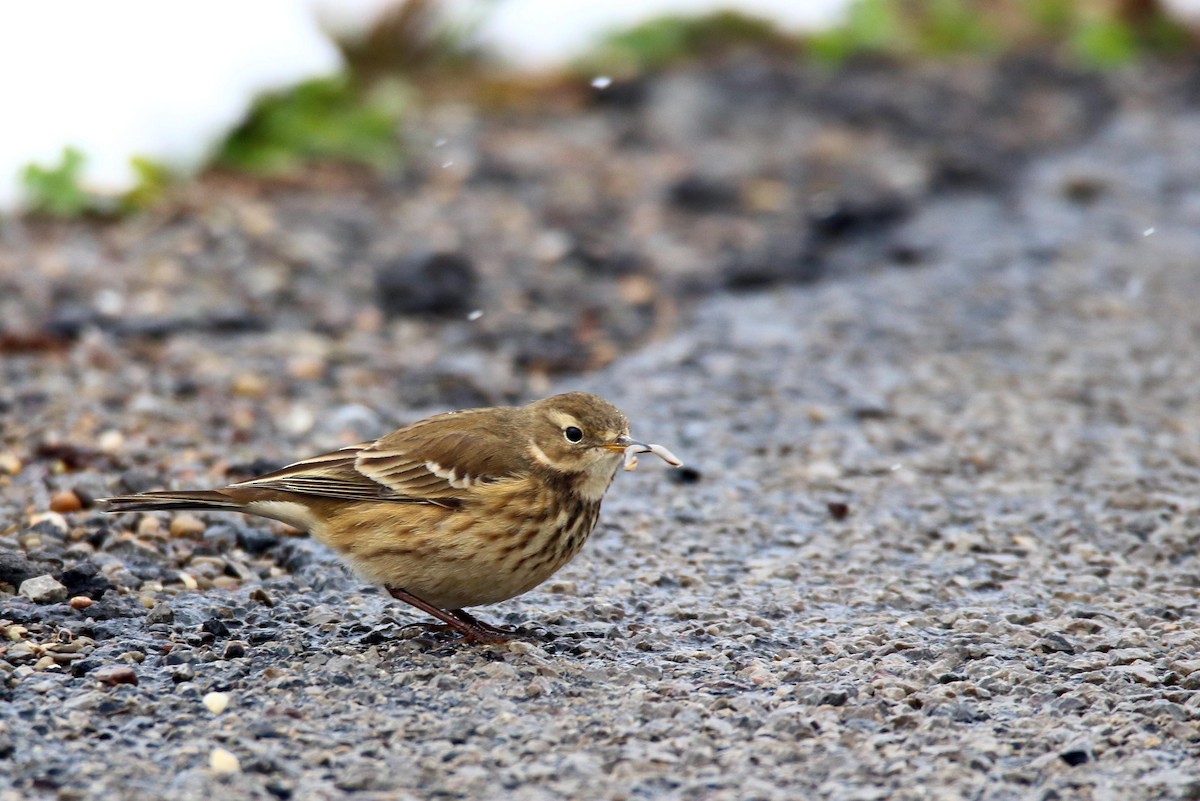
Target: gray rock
43	590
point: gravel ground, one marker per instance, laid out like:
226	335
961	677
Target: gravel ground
937	538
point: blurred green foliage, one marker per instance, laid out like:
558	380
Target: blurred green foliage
1094	34
56	191
668	40
326	119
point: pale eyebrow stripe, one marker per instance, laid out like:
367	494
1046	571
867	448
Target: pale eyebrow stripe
563	419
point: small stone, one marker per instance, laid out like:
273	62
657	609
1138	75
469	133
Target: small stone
685	475
250	385
701	193
189	581
234	650
9	463
43	590
182	673
215	626
160	613
81	602
223	762
65	502
110	441
53	520
216	702
838	510
149	527
186	526
262	596
115	674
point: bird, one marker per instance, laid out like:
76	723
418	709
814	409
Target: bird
457	510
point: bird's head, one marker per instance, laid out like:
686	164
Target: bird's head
577	433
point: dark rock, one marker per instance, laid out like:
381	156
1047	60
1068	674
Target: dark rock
134	481
72	457
262	596
1077	755
785	260
85	578
215	626
698	193
685	475
622	93
426	284
556	351
848	216
15	567
49	531
838	510
1055	643
255	540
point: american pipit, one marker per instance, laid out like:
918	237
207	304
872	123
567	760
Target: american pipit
457	510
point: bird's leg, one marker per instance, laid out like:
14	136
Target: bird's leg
472	629
471	620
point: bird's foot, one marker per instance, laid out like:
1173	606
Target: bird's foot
472	629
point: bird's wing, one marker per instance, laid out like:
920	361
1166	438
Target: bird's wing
435	461
442	457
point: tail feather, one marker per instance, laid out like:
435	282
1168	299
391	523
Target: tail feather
170	501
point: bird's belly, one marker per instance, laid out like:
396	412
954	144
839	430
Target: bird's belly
466	558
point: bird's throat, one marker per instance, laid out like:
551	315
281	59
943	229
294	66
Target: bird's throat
591	484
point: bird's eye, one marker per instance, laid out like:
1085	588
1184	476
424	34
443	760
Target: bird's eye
572	434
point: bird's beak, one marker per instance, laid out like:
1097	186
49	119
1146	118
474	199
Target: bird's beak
621	443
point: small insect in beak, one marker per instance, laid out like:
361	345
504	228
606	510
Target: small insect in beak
631	448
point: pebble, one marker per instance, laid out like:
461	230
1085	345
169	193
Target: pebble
223	762
216	702
43	590
160	613
81	602
115	674
186	525
110	441
65	502
149	526
52	520
250	385
10	464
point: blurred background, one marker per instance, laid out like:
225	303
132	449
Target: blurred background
308	215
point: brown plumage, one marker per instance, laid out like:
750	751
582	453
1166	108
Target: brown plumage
457	510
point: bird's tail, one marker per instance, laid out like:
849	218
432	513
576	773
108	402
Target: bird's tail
170	501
